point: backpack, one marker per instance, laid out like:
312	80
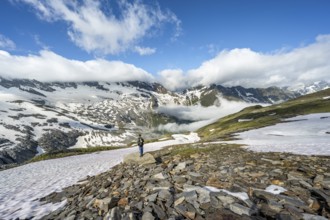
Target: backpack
140	141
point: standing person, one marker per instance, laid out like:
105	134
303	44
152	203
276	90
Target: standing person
140	143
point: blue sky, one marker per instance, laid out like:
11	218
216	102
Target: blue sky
177	42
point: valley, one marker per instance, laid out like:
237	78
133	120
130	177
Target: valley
38	117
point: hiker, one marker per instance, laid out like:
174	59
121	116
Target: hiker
140	143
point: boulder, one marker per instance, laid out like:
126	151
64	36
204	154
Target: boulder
135	158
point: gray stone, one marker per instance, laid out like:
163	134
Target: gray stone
326	184
165	183
194	174
148	208
151	198
181	209
203	196
128	216
190	212
160	176
72	217
297	213
159	212
226	199
179	179
277	207
318	179
135	158
191	197
215	202
322	195
113	202
248	203
305	184
179	201
139	205
147	216
164	195
239	209
313	217
285	216
267	211
127	184
286	200
180	167
260	194
273	162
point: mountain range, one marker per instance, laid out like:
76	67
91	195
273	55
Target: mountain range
37	117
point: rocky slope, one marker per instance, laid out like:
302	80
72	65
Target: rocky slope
174	187
37	117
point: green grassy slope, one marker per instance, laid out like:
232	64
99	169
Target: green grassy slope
265	116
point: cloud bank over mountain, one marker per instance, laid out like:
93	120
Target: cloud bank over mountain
243	67
49	66
249	68
200	115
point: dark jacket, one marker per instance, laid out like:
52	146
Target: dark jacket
140	142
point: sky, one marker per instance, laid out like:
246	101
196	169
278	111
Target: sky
179	43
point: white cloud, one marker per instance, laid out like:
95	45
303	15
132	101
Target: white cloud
173	79
6	43
145	50
49	66
200	115
248	68
97	29
174	127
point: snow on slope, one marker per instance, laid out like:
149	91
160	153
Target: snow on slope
307	135
79	106
21	187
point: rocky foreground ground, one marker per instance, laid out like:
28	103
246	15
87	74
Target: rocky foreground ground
170	184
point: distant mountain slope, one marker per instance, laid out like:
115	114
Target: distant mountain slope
258	116
36	116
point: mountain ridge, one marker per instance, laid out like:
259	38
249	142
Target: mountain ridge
87	114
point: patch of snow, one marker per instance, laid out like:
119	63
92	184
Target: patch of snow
244	120
326	97
240	195
22	187
306	135
40	151
275	189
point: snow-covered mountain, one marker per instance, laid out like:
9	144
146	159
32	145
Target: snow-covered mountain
304	89
36	117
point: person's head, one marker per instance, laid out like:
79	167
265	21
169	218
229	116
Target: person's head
139	135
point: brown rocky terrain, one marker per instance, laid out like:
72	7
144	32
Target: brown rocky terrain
171	185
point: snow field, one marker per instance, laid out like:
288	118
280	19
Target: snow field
305	135
22	187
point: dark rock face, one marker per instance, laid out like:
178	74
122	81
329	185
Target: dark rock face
25	150
174	188
22	152
96	85
4	142
21	83
58	140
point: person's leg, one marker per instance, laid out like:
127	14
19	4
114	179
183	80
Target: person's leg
141	151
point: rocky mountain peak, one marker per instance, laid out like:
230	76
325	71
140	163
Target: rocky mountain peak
104	113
